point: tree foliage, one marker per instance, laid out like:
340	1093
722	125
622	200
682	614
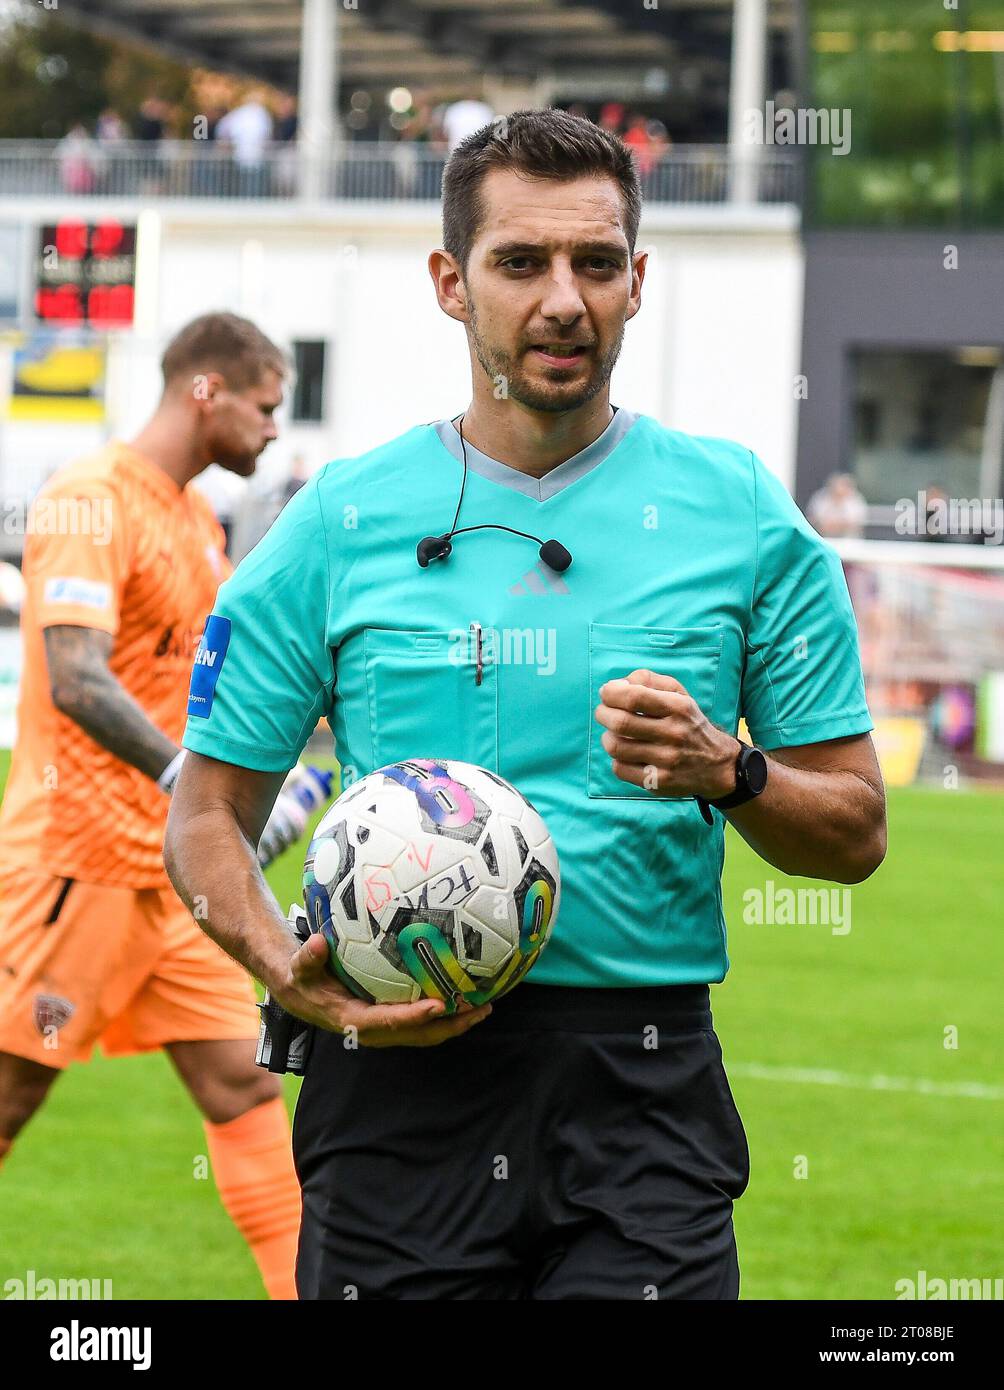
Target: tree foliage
54	74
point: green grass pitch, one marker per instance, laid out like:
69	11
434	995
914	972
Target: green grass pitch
855	1184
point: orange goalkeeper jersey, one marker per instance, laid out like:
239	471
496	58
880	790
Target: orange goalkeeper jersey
113	543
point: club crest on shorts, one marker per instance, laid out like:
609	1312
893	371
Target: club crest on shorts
51	1011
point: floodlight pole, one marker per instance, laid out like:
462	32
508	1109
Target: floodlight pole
317	126
747	97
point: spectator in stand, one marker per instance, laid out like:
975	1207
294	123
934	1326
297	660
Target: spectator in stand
612	117
175	149
151	120
284	134
838	508
936	515
207	170
299	472
420	126
149	127
463	118
78	159
111	129
660	146
112	133
247	129
660	138
639	141
214	115
286	119
417	169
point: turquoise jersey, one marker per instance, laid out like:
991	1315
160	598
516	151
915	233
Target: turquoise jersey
689	558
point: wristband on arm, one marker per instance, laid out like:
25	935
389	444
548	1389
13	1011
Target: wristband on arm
169	776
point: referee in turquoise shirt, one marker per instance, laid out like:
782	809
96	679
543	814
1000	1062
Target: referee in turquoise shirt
584	1142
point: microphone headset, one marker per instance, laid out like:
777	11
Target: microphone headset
553	553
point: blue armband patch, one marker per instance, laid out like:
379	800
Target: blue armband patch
208	662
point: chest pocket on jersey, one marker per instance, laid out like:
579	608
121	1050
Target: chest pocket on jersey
424	697
693	655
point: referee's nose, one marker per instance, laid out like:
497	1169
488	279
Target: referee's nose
562	300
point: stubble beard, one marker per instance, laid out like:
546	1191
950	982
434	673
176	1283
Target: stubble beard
240	462
507	374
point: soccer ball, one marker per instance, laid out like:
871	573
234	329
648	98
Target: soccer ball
432	877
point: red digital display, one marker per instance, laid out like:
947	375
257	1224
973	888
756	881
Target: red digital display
70	240
107	239
59	302
85	273
110	304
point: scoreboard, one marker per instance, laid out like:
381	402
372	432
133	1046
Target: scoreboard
85	273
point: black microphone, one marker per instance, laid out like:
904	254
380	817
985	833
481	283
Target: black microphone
552	552
433	548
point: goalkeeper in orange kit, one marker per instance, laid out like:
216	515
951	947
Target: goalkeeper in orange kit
121	564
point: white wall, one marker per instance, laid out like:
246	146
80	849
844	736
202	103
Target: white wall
732	309
714	349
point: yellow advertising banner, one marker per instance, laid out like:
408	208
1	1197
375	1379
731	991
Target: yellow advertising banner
899	743
58	378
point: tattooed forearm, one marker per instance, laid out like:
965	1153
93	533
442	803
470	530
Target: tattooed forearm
85	691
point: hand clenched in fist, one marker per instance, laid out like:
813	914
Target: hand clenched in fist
659	738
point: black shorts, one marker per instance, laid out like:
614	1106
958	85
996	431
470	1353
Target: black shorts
577	1144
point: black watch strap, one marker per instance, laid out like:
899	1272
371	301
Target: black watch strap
751	778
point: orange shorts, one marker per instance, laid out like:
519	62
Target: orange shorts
82	963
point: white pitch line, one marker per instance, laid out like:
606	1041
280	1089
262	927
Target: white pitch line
808	1076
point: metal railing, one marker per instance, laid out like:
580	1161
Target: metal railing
400	172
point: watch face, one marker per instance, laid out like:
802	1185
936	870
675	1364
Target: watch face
755	771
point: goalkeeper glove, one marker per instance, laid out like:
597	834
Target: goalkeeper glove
304	791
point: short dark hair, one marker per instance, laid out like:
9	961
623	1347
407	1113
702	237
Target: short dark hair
544	145
224	343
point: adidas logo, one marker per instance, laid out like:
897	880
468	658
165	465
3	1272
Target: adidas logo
540	580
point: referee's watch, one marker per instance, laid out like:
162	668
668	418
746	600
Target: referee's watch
751	778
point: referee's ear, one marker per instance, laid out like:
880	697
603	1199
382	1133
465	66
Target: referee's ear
639	264
448	279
